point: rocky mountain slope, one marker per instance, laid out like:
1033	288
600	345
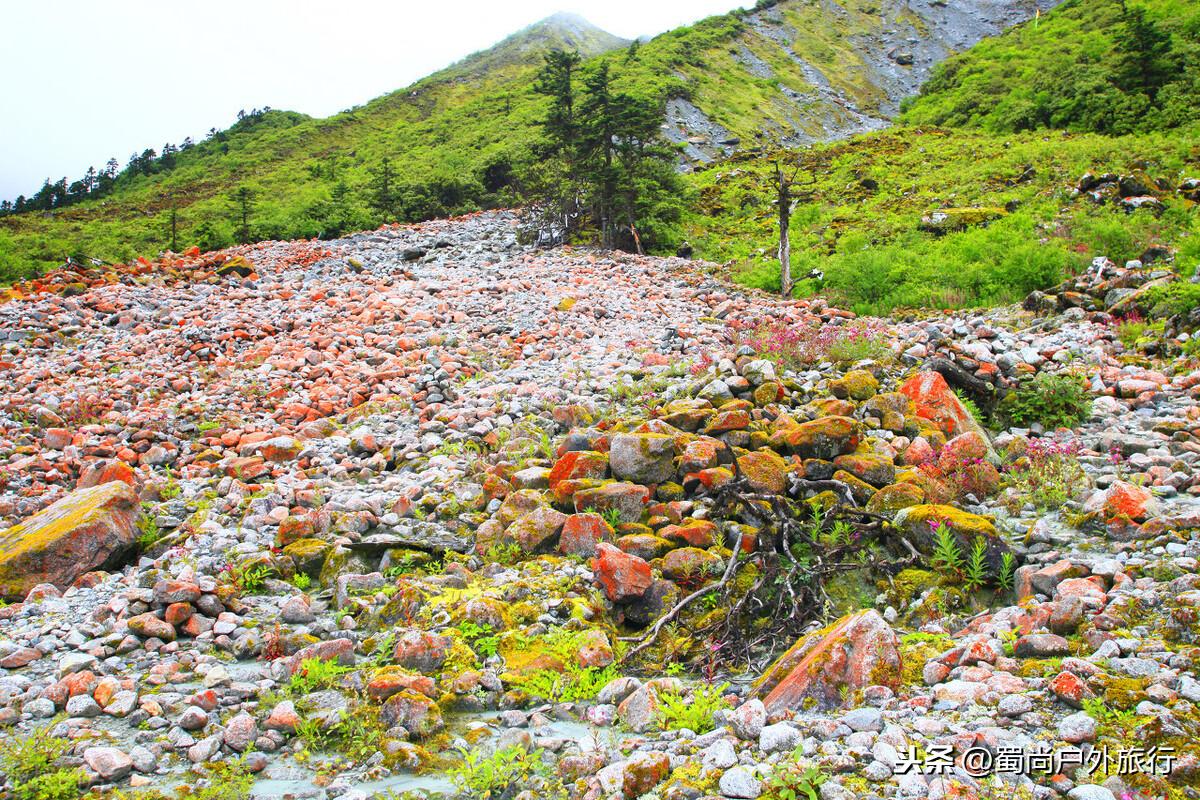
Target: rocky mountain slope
455	140
423	491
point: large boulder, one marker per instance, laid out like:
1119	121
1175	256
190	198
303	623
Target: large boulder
642	457
857	651
935	402
87	530
622	576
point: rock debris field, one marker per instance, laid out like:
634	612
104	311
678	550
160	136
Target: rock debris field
315	520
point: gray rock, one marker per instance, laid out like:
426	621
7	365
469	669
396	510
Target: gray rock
1091	791
779	738
109	763
1077	728
747	720
864	719
82	705
740	782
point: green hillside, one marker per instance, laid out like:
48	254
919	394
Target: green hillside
456	140
863	205
1111	66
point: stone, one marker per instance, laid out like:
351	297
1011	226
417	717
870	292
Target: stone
857	651
646	458
824	438
934	401
779	738
582	533
538	530
414	712
89	529
740	782
635	776
109	763
621	575
1123	500
1077	728
918	523
240	732
1041	645
747	720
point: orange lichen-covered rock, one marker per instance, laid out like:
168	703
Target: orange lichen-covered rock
578	464
1124	500
622	576
936	402
857	651
764	471
88	529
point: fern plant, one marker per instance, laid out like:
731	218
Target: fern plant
947	556
1008	568
976	570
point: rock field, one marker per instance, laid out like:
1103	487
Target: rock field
314	519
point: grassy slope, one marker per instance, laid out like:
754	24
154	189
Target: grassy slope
995	83
446	128
868	243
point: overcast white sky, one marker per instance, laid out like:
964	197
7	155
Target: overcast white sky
88	80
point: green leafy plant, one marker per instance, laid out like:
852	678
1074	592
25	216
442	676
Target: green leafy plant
501	773
569	685
1055	400
30	764
692	709
791	779
479	638
301	581
314	674
947	555
1008	568
975	573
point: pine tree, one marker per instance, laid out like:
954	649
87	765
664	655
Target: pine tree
243	200
383	190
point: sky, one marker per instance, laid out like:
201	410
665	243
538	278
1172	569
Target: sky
92	80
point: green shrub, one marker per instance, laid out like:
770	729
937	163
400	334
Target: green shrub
1055	400
503	773
29	763
692	709
1173	299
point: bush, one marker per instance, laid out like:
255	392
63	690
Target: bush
693	710
802	346
1173	299
29	765
1054	400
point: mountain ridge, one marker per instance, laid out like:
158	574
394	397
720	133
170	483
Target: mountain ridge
455	139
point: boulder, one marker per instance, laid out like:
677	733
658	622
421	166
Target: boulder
642	457
623	576
934	401
87	530
918	523
824	438
538	530
1123	500
857	651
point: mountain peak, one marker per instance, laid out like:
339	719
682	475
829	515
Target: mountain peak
561	31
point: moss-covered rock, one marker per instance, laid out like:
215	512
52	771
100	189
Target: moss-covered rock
919	524
87	530
857	384
895	497
824	438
